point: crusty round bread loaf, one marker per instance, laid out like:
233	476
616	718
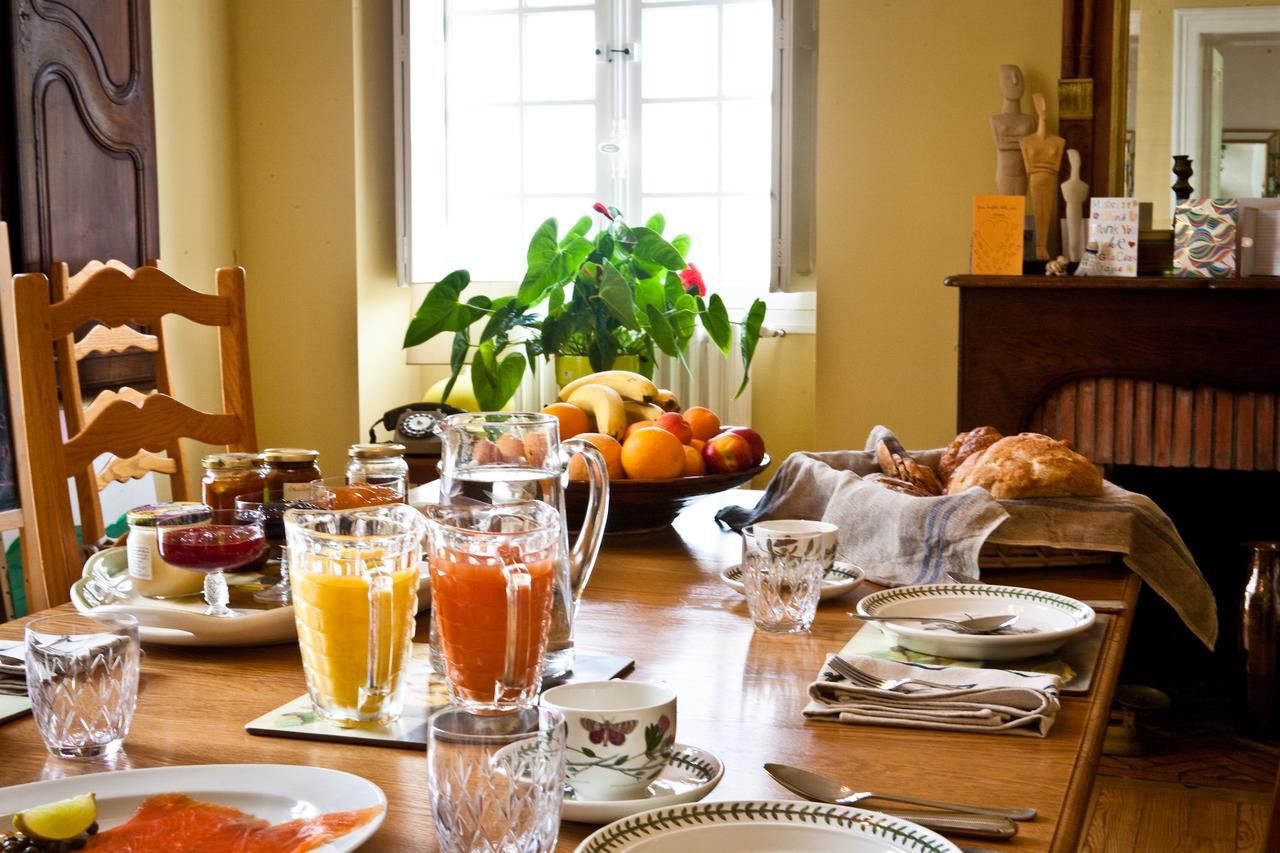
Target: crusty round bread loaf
963	446
1028	465
896	485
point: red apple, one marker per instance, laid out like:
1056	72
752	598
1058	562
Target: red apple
727	452
674	423
753	438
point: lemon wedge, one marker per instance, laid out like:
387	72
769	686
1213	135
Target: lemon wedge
58	821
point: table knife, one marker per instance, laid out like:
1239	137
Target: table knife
820	788
955	823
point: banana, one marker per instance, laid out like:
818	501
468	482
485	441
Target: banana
641	411
667	400
630	386
605	404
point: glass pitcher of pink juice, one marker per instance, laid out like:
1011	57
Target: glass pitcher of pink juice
500	458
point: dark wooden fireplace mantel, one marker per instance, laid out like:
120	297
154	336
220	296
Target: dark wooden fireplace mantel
1021	337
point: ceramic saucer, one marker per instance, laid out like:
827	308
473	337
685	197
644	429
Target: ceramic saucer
838	580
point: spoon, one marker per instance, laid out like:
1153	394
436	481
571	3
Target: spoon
979	625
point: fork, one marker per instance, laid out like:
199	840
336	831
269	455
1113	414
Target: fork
866	679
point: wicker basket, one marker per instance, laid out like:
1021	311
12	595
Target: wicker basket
995	555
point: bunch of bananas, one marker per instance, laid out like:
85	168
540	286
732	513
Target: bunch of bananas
618	398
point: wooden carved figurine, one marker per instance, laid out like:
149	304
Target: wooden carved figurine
1009	126
1074	192
1042	155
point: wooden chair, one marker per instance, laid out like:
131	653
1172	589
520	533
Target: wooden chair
123	423
10	519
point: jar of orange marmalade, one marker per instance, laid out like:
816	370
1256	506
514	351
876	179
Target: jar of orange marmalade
290	472
228	476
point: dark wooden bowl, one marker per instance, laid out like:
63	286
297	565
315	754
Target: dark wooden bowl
641	506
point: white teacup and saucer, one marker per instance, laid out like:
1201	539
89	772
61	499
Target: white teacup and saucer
621	755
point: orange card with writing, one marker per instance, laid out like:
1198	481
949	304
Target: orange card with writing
997	235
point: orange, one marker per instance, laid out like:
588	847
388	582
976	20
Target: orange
633	428
653	454
693	464
697	444
609	447
704	422
573	421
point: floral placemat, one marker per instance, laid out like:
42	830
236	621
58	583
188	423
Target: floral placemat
424	693
1075	662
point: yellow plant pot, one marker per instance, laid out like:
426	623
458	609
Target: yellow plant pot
571	367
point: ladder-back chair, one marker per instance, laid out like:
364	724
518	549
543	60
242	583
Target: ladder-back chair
123	423
10	519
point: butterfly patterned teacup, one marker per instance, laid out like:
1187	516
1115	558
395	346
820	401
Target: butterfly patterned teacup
620	735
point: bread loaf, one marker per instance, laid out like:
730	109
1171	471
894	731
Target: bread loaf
896	485
963	446
1028	465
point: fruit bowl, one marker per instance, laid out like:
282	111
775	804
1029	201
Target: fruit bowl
642	506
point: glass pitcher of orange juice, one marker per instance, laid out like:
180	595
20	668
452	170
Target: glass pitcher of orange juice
509	457
354	576
493	579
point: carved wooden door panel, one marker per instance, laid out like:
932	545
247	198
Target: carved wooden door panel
85	132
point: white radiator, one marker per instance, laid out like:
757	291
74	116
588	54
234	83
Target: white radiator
713	382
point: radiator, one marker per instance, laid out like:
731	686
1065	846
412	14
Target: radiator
711	381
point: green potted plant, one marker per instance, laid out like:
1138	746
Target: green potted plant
612	300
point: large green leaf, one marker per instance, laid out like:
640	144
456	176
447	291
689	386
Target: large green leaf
681	242
650	292
673	287
542	246
716	321
685	319
581	227
457	358
505	312
663	335
440	311
495	383
652	248
657	222
615	293
750	337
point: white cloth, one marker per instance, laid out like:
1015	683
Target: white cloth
984	700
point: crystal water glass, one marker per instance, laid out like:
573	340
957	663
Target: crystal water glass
82	677
782	576
496	781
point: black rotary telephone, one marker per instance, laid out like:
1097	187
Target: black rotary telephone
414	425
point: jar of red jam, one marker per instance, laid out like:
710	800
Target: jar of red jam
290	472
228	476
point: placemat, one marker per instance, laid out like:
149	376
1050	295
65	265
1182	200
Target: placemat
424	691
1075	662
12	707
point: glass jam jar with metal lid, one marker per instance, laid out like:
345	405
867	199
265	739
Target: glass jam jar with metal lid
228	476
378	464
290	472
151	575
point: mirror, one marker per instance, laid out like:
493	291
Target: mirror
1203	81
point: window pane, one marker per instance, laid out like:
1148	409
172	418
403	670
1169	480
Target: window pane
463	6
483	59
559	56
748	49
700	219
537	3
746	154
680	52
484	150
680	148
560	149
746	238
483	237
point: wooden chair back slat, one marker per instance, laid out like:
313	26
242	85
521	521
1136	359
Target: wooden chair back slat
102	339
123	429
138	465
114	298
233	353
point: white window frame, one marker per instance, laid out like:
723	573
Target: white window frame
793	279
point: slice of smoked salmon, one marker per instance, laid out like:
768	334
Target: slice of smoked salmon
175	823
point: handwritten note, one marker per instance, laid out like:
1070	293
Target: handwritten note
996	247
1113	228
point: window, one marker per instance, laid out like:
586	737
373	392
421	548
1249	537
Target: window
516	110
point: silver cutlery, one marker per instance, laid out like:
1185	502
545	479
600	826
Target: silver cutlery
978	625
962	579
820	788
955	823
1108	605
866	679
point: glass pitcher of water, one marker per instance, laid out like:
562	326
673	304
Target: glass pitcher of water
509	457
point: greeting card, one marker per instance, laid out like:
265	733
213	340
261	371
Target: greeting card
1113	228
996	245
1204	238
1258	243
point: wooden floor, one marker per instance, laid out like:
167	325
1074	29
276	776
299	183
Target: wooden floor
1160	817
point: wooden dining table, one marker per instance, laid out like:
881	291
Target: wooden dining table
655	598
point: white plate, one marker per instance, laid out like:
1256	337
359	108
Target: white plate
689	776
273	792
838	580
764	826
1046	620
181	621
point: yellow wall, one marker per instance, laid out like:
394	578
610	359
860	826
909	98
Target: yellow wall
904	143
783	395
1153	130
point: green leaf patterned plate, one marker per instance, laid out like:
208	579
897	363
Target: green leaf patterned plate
757	826
838	580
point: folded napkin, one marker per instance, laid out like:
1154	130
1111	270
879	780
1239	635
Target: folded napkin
899	539
984	700
13	675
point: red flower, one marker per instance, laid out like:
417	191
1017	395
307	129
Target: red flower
693	280
599	208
